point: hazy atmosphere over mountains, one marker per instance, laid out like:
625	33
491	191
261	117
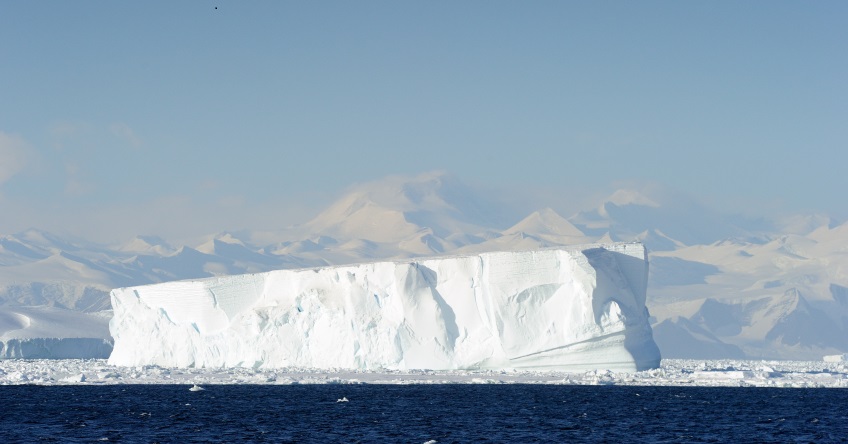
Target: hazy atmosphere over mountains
719	286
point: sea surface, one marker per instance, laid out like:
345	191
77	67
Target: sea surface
420	413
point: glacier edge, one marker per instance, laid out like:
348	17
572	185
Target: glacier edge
571	308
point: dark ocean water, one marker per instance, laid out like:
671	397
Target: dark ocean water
419	413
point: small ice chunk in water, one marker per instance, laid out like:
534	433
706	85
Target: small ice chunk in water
74	378
196	388
343	399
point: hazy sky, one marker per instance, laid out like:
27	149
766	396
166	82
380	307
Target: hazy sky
120	116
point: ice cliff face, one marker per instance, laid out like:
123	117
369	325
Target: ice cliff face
565	309
55	348
53	333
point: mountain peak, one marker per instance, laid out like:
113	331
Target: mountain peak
435	189
221	239
681	218
396	207
147	244
228	238
545	222
631	197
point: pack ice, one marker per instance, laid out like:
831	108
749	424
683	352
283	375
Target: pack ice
567	309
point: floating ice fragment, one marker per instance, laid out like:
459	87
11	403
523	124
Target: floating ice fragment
74	378
343	399
672	373
196	388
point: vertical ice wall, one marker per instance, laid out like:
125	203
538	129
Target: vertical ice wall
565	309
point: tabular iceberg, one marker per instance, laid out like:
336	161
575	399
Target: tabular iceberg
574	308
52	333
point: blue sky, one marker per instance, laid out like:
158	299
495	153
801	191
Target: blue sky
122	117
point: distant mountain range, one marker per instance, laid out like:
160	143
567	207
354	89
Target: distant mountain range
720	286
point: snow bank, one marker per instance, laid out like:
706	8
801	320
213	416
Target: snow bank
559	309
53	333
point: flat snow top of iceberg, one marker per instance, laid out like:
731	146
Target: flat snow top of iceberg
636	249
51	322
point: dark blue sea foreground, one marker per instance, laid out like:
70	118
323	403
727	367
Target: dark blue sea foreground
420	413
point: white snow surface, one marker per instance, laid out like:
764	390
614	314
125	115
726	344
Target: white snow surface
672	372
565	309
50	332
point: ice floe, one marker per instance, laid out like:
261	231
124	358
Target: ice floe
672	372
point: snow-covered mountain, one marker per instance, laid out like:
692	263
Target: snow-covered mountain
719	284
666	221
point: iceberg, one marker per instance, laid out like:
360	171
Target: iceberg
55	348
565	309
43	332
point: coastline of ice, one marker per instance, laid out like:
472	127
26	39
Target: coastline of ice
672	372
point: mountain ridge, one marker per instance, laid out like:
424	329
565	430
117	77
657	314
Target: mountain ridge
696	259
